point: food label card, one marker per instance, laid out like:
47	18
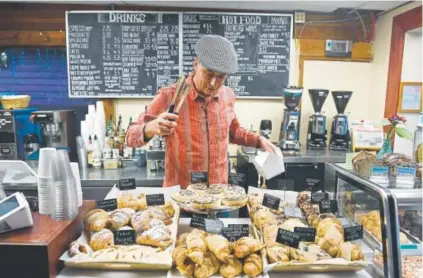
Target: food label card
353	233
107	205
317	197
306	234
270	201
213	226
237	179
293	212
126	184
125	237
236	231
288	238
155	199
197	177
197	221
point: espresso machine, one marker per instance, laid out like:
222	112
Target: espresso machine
58	130
316	134
340	134
290	129
8	142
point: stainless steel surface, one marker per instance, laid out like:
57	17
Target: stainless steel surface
306	156
92	178
155	154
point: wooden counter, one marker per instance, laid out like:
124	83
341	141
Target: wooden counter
35	251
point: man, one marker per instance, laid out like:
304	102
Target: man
198	137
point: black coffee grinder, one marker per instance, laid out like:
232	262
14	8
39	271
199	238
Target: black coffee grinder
316	135
290	129
340	134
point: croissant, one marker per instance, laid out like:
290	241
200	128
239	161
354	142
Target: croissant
219	246
156	236
79	248
159	213
142	202
128	201
208	267
188	271
101	240
230	270
196	246
95	220
253	265
138	219
168	209
279	253
119	218
246	246
182	240
179	257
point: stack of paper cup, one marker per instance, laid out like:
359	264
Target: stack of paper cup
75	171
45	180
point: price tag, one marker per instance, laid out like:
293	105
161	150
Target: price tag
197	177
236	231
406	172
107	205
237	179
155	199
306	234
288	238
353	233
324	206
271	201
380	171
317	197
125	237
127	184
197	221
213	226
293	212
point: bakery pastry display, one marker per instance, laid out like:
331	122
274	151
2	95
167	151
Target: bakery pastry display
200	255
215	197
153	227
412	266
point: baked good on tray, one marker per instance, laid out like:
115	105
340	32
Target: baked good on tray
200	254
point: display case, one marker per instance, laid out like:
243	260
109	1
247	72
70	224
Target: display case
361	202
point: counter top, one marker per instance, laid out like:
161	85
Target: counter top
305	156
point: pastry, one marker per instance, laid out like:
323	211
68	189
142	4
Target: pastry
270	232
326	224
119	218
235	189
253	265
101	240
151	223
215	192
246	246
95	220
291	223
218	187
219	246
197	186
138	220
181	241
312	252
297	256
350	252
230	270
254	199
278	253
303	198
184	196
196	246
262	217
156	236
142	202
205	202
332	240
235	200
208	267
159	213
79	248
180	258
168	209
128	201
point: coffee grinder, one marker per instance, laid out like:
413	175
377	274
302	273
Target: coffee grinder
58	130
266	128
340	134
290	129
316	134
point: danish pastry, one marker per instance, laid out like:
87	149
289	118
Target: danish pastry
95	220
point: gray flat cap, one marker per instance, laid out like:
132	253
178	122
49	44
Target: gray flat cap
217	53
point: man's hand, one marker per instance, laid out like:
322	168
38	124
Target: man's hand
266	145
163	125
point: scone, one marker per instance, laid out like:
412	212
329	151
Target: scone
184	196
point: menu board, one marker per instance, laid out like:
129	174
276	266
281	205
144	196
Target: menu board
118	54
121	54
262	43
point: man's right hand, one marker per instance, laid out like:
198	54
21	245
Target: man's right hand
163	125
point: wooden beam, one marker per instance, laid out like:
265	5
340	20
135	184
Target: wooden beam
32	38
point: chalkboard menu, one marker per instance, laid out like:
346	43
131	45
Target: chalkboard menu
262	43
121	54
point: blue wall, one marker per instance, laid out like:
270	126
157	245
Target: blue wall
42	74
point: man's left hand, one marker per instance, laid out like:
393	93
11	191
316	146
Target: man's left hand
266	145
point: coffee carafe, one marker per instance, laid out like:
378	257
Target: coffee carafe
340	134
316	134
290	129
58	130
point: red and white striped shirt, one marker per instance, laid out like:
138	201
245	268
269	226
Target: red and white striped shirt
201	138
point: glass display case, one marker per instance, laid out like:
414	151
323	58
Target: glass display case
363	203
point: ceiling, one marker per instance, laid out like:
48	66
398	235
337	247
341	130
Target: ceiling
315	6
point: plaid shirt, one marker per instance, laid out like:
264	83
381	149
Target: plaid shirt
200	140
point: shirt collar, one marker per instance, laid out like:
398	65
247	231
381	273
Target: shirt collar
194	93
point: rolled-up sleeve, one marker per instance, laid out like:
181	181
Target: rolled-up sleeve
239	135
135	134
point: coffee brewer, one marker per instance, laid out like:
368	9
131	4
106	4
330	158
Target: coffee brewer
316	134
290	129
8	141
58	130
340	134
